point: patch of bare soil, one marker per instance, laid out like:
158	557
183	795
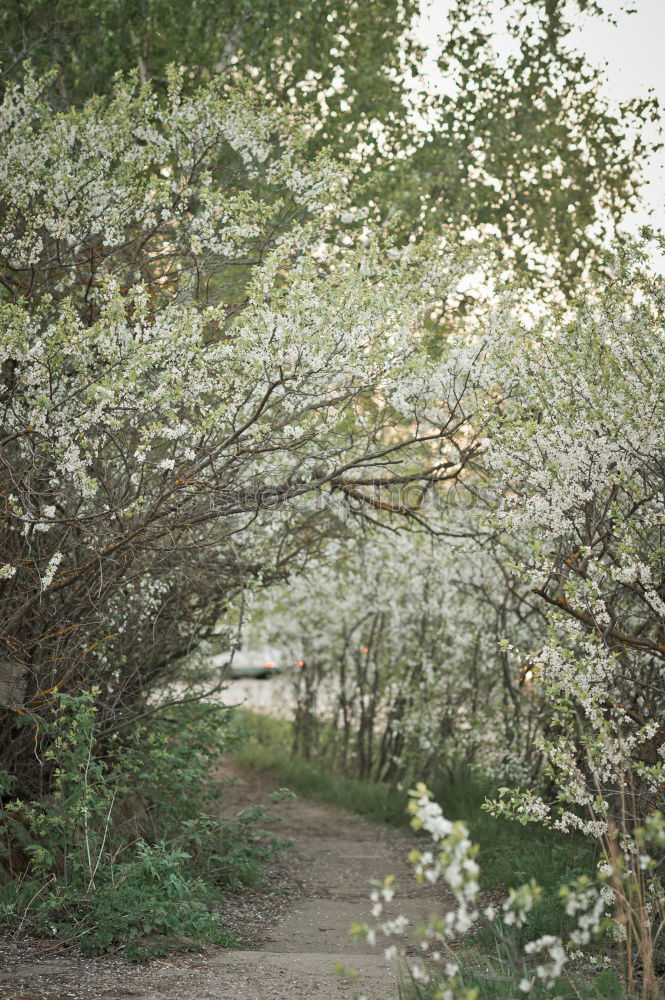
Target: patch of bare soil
294	932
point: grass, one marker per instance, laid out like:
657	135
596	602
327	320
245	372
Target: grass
496	983
267	748
510	854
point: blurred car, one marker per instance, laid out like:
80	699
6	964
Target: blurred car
249	663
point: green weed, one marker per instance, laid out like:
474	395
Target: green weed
124	850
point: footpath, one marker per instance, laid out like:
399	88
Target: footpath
296	933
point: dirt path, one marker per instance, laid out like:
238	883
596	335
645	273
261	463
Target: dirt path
298	932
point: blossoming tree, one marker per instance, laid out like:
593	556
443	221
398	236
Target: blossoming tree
190	355
401	673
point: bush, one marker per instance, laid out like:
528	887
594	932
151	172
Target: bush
147	905
123	849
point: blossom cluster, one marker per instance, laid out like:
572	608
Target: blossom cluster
452	860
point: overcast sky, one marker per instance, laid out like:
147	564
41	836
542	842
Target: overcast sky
633	53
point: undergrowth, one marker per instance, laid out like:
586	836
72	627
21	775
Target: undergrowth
123	850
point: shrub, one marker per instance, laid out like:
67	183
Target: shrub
124	850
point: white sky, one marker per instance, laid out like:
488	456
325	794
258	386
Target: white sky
633	54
